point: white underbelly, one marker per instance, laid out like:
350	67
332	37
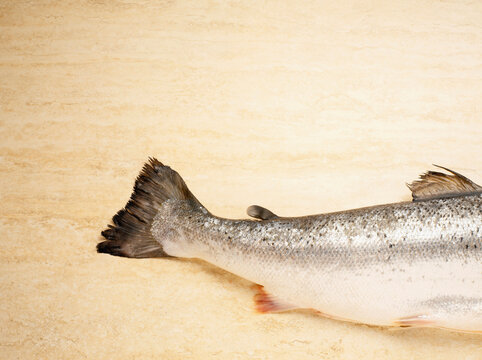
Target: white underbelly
447	294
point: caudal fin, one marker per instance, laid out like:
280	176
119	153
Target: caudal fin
130	235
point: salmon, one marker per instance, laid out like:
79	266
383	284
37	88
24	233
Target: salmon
406	264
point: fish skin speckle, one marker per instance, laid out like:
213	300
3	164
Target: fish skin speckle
413	263
404	236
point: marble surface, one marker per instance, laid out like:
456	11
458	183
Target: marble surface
300	106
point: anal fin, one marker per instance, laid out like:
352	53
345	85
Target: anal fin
415	321
267	303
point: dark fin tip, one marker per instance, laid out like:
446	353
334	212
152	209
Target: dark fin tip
438	185
261	213
130	234
111	247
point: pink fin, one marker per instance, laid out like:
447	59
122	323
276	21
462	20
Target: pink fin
415	321
267	303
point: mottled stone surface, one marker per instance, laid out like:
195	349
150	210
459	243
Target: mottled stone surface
301	107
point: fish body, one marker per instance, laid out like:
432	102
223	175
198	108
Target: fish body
413	263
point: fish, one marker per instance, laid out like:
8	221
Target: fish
408	264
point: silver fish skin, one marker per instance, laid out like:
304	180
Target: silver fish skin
413	263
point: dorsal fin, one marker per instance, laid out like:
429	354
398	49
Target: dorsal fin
435	185
261	213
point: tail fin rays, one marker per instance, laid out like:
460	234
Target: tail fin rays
130	235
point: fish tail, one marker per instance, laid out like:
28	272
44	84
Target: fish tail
130	234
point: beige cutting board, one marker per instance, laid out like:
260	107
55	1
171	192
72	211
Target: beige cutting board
302	107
